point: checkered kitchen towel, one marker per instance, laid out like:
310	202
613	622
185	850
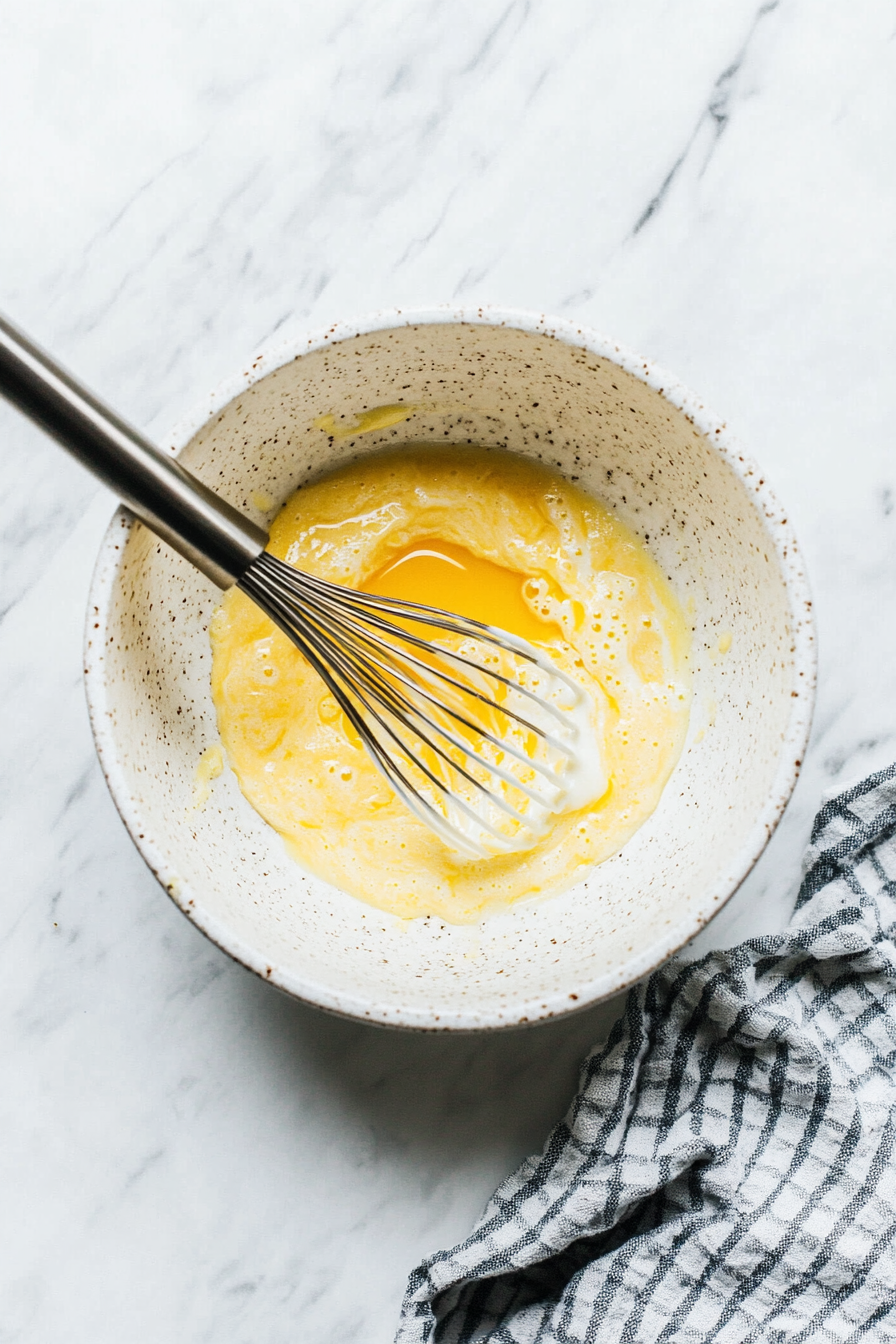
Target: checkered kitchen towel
727	1170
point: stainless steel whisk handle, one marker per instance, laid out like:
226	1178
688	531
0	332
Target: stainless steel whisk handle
214	537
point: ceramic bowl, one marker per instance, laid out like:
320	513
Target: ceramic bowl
628	433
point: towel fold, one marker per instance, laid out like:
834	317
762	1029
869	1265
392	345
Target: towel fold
726	1172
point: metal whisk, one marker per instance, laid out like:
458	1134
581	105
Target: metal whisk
476	731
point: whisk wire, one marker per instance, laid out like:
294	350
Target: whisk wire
294	584
457	625
356	635
411	702
401	708
379	688
383	761
315	647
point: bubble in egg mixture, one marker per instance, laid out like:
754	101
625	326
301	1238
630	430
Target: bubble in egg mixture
503	540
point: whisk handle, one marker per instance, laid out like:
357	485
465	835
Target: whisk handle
216	538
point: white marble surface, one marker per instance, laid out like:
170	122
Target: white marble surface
184	1155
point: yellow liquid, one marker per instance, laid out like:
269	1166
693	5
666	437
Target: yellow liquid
438	573
503	540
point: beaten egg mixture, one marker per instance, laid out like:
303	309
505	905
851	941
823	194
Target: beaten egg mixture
506	541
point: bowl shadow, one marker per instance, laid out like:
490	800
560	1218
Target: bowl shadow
487	1098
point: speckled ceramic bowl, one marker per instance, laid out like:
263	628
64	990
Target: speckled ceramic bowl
628	433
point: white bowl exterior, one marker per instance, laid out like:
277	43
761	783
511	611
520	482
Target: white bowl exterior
629	434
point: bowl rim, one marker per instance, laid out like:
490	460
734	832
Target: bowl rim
529	1012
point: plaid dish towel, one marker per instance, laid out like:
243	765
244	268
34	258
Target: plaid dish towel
726	1172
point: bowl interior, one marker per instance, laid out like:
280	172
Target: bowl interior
665	468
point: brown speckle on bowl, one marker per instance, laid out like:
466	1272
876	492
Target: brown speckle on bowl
669	469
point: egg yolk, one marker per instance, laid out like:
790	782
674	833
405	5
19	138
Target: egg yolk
436	573
500	539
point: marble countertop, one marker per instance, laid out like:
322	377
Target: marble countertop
186	1155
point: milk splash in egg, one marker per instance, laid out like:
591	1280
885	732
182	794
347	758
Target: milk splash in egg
508	542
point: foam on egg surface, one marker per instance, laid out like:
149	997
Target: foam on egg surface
504	540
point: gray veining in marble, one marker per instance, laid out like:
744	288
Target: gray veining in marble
186	1156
